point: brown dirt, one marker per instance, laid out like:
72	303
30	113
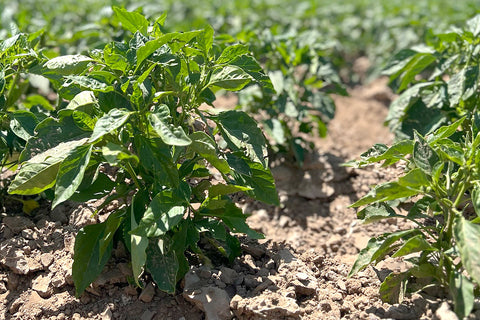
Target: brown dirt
298	272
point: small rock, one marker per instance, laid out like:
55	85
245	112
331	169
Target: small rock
215	302
445	313
227	275
306	288
205	273
302	276
147	315
46	259
130	290
256	251
59	214
147	294
3	287
251	281
284	221
41	285
283	256
18	223
58	281
107	314
12	282
192	281
29	234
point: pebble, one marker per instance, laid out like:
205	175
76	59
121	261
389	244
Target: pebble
147	293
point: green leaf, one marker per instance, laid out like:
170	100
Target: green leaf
34	178
68	65
205	39
165	211
205	146
222	189
138	244
87	261
258	178
376	212
241	132
112	224
415	178
82	101
462	291
445	131
23	123
39	173
162	266
467	237
394	287
412	245
111	121
230	78
88	83
385	192
423	155
71	172
379	247
157	161
232	52
414	67
476	199
94	186
132	21
170	134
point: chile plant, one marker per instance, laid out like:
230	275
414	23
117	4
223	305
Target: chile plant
138	129
437	124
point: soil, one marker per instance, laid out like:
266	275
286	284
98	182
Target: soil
298	272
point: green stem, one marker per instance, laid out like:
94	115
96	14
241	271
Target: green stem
130	171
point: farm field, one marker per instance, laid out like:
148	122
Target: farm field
276	160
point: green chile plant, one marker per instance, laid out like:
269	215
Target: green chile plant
437	126
439	193
21	104
438	82
137	131
303	77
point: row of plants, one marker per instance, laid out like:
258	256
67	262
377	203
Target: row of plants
437	127
303	46
128	124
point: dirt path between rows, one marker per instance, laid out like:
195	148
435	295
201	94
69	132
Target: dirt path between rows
298	272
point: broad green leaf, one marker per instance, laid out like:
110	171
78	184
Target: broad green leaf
205	39
94	186
157	161
377	248
232	52
83	120
39	173
470	84
112	224
165	211
68	65
114	154
414	67
59	136
132	21
87	261
445	131
467	237
230	78
82	101
462	291
115	56
111	121
385	192
205	146
376	212
456	87
423	155
231	215
241	131
415	178
89	83
151	46
398	62
258	178
394	287
138	246
169	133
23	123
163	266
34	178
412	245
223	189
71	172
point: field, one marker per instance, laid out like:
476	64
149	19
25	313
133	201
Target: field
225	160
